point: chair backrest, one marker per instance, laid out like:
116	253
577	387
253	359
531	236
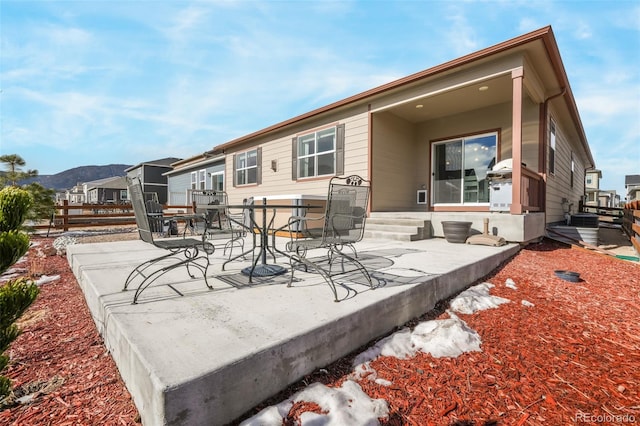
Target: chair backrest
346	210
208	196
140	210
215	217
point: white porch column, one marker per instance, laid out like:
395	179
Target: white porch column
517	76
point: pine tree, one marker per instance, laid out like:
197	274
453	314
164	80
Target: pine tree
43	198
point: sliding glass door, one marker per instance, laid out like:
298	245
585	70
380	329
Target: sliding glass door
460	169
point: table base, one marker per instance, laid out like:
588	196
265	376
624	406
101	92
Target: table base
265	270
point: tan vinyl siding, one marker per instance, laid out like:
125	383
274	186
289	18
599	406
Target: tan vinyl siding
402	150
279	182
394	164
559	183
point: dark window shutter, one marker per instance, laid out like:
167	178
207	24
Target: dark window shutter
294	159
259	165
340	150
235	178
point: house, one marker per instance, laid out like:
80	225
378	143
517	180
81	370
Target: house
592	187
429	143
632	186
151	174
202	171
111	190
75	195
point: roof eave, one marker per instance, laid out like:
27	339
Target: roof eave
545	34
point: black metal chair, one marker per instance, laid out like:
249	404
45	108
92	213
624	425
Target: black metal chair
218	225
341	226
187	252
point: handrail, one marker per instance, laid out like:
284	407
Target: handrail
532	190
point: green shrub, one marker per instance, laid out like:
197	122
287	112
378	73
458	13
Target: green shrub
13	245
14	206
16	295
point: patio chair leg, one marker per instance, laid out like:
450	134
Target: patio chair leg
321	271
360	266
189	261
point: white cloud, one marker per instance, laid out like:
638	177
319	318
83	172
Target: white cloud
582	31
461	36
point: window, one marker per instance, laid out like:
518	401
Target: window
318	153
589	180
573	168
552	147
460	169
202	181
246	167
217	181
198	179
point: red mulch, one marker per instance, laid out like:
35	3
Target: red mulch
59	338
571	358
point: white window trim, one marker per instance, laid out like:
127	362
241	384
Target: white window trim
215	174
316	153
194	180
553	137
433	183
202	179
246	168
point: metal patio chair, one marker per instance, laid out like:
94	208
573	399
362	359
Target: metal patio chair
219	226
340	227
182	252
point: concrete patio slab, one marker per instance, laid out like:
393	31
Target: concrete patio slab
211	355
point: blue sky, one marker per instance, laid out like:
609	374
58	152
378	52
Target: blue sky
100	82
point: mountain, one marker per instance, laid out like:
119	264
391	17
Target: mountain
69	178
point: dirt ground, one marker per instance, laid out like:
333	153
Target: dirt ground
613	239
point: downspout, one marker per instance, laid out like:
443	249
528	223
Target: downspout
545	133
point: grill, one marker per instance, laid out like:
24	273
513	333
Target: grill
500	186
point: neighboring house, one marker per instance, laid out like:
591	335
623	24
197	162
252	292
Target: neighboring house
440	131
592	187
632	186
151	174
608	198
202	171
111	190
76	195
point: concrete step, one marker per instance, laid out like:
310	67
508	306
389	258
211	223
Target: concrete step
397	221
388	235
398	228
391	227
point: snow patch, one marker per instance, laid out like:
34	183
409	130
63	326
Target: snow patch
346	405
46	279
509	283
475	299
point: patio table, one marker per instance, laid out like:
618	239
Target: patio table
260	267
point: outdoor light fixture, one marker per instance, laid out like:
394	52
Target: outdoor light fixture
274	165
483	88
419	106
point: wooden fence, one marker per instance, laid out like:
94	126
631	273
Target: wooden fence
631	223
67	216
614	214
